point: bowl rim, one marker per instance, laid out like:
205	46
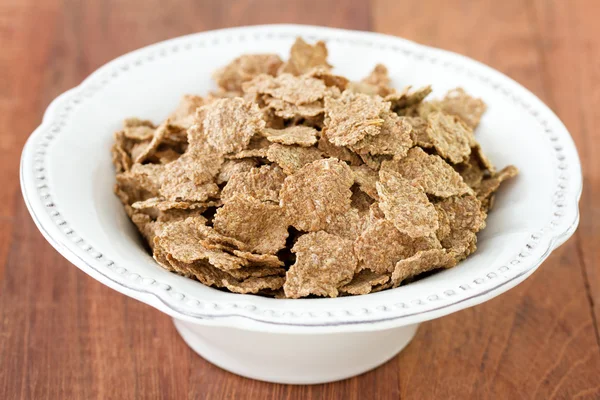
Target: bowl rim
240	312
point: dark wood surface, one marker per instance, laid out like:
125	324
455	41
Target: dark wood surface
65	336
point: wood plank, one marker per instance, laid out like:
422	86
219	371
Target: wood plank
64	335
531	342
571	57
22	54
114	347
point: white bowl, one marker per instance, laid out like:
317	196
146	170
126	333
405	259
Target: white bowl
67	179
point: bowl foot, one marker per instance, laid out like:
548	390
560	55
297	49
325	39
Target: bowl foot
294	358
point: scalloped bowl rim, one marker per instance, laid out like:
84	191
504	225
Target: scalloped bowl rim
241	311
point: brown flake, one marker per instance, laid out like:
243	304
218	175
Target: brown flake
381	245
467	108
232	167
366	178
425	108
364	281
300	135
292	158
295	90
201	162
423	261
286	110
244	68
263	183
164	130
348	225
394	139
215	240
120	155
211	276
222	94
228	124
340	152
182	240
316	193
353	116
263	264
146	226
418	133
141	182
324	262
382	286
257	148
460	218
162	204
304	57
329	79
406	206
489	186
254	284
133	122
378	77
137	149
449	136
166	156
481	158
363	88
377	83
184	115
189	178
262	226
477	168
139	132
464	212
405	99
179	214
430	172
185	190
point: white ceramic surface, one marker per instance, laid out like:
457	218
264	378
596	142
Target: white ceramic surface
67	179
295	358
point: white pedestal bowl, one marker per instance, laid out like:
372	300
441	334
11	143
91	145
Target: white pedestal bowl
67	179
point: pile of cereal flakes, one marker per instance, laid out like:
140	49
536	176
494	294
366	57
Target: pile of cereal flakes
291	181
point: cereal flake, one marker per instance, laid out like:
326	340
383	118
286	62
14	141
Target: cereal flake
324	263
395	138
406	206
467	108
263	183
430	172
292	158
364	281
300	135
353	116
381	245
304	57
316	193
423	261
449	136
230	123
260	225
244	68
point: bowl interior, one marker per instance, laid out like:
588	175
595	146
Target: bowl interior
149	83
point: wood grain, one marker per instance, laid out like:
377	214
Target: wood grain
64	335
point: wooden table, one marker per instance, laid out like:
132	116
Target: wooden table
65	336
